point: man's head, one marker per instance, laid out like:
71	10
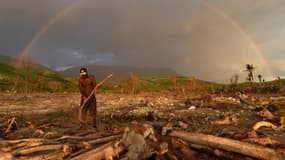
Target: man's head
83	72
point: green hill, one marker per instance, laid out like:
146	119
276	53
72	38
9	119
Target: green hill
120	72
36	78
177	84
33	78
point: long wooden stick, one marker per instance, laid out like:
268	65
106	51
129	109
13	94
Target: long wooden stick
38	149
243	148
6	156
104	140
92	152
84	106
106	151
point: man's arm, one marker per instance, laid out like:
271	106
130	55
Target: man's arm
81	87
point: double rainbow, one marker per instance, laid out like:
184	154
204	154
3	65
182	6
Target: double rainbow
66	10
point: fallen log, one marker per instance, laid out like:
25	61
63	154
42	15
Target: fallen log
21	144
222	154
104	140
230	145
6	156
88	154
14	143
58	155
31	150
84	107
265	141
265	113
9	142
87	136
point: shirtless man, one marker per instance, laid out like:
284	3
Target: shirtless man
86	85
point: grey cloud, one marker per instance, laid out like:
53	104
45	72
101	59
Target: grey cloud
185	35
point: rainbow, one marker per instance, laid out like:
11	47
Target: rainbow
257	51
66	10
62	13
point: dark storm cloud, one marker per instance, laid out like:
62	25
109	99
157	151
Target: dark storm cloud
185	35
21	19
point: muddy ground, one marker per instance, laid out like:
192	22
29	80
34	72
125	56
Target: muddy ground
55	115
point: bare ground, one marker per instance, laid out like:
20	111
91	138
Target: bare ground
55	115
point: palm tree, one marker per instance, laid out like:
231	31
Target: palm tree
249	69
259	78
132	83
236	77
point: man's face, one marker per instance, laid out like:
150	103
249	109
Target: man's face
83	74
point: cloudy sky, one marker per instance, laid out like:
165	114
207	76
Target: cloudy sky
208	39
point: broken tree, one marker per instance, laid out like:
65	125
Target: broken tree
231	145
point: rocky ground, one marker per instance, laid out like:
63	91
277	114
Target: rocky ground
48	116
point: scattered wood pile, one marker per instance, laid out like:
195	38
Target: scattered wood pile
8	125
141	141
162	140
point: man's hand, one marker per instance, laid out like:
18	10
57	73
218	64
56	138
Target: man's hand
82	100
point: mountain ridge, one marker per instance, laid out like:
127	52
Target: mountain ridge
120	72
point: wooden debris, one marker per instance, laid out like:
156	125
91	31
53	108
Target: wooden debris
252	134
38	133
104	140
53	156
163	148
270	125
95	153
9	145
37	149
4	124
264	124
138	141
228	120
265	141
6	156
184	148
230	145
22	144
10	125
282	122
133	140
264	113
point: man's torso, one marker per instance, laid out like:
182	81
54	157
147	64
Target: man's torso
87	85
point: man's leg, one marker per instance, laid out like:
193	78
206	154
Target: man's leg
82	125
93	108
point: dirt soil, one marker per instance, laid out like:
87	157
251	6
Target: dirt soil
54	115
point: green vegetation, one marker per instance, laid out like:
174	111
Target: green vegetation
161	84
33	78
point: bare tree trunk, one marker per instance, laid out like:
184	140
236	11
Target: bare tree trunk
93	153
244	148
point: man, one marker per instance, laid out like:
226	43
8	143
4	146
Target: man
86	85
